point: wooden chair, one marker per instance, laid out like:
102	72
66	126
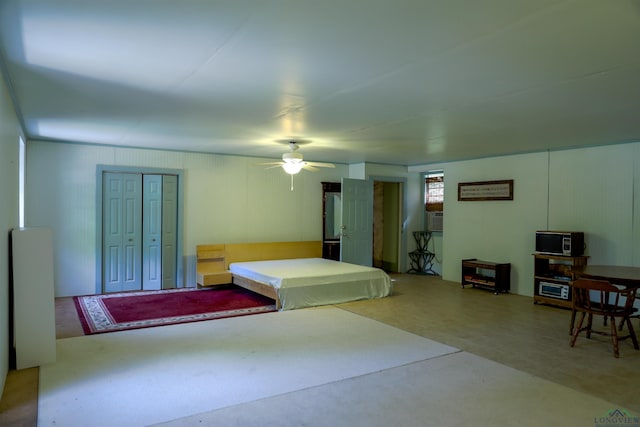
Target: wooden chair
601	298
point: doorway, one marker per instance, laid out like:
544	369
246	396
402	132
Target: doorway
139	230
376	220
387	225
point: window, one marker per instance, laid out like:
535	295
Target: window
434	200
434	191
21	174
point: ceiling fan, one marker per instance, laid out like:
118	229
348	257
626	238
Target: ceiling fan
293	162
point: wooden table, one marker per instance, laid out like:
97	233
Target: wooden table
628	277
617	275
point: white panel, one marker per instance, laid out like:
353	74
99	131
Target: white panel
501	231
130	273
213	181
33	300
61	195
154	264
591	190
113	267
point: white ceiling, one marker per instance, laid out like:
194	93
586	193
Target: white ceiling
397	82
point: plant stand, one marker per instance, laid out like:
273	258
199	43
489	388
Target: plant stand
422	258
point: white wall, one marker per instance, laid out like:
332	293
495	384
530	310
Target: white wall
226	199
597	197
501	231
231	199
594	190
9	154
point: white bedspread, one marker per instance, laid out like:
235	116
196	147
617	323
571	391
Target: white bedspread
307	282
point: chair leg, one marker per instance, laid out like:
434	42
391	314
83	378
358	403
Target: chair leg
632	334
622	321
589	325
572	321
614	337
576	331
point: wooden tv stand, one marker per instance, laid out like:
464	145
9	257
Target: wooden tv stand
555	270
486	274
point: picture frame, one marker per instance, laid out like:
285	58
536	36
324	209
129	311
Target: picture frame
485	190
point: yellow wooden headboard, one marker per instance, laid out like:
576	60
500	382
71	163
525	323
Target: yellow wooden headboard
239	252
213	260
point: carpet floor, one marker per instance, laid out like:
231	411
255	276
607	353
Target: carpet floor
456	389
545	383
146	376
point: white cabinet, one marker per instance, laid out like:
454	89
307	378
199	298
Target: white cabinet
34	323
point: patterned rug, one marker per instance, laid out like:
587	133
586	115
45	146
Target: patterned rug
133	310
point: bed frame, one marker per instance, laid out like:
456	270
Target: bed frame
213	262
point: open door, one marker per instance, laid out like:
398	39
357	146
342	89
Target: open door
356	237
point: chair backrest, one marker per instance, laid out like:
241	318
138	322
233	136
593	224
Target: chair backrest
601	296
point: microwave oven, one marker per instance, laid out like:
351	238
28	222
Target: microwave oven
566	243
554	290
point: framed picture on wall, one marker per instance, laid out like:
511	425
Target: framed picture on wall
485	190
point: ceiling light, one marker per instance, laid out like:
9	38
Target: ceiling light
292	168
292	156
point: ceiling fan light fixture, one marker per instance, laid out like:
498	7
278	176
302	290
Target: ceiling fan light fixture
292	157
292	168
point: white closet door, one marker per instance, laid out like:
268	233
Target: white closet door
152	232
121	232
169	231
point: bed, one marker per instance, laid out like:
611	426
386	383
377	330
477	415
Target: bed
291	273
307	282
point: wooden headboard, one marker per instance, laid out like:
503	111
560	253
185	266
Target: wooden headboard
213	260
239	252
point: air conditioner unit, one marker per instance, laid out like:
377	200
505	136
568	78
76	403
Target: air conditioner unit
434	221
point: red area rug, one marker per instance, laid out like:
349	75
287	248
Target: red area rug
133	310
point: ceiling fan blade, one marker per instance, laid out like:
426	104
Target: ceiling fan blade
321	165
310	168
270	163
274	165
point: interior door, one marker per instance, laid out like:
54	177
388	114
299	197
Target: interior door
121	232
356	239
169	231
152	232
